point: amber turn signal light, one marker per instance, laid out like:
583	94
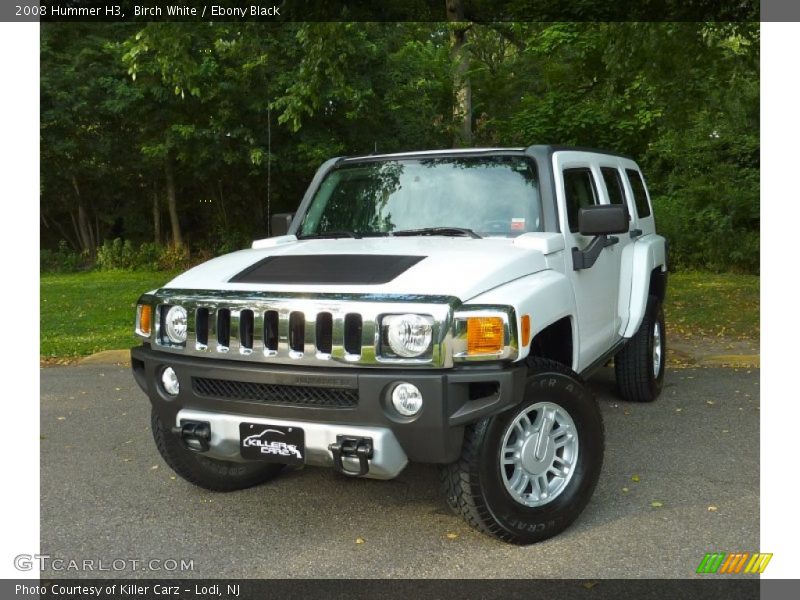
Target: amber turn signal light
144	319
484	335
525	338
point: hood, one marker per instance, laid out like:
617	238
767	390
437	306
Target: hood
447	266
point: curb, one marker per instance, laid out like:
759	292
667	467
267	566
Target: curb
107	357
736	361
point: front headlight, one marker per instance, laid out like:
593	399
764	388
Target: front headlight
176	325
408	336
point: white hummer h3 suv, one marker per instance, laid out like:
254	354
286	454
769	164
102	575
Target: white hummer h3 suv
438	307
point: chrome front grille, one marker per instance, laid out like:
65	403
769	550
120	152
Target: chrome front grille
297	330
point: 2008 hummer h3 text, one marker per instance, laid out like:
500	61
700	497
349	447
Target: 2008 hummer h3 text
429	306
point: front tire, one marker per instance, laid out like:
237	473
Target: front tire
520	477
639	367
208	473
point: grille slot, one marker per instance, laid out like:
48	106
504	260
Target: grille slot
271	330
324	333
201	326
224	327
246	329
297	331
352	333
272	393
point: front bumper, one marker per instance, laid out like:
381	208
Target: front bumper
453	398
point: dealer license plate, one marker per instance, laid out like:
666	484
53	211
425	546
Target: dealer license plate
272	443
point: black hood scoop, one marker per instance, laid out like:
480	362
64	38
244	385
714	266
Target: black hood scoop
330	269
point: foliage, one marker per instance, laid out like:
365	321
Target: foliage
241	114
61	260
119	255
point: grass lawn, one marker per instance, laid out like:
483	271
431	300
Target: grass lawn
83	313
709	304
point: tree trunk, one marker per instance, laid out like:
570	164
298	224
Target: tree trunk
172	204
64	234
223	211
156	217
462	110
83	227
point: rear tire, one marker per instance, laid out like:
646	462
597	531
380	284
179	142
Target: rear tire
208	473
487	485
639	367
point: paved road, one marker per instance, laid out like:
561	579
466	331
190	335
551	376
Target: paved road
106	494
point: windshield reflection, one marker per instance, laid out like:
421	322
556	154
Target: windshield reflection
496	195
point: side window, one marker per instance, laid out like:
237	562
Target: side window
580	191
613	181
639	193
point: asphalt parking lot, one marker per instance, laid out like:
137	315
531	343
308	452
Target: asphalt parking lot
681	478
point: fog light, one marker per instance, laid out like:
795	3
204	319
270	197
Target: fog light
407	399
169	379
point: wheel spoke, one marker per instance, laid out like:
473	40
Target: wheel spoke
520	481
537	422
562	436
525	421
560	471
545	489
537	487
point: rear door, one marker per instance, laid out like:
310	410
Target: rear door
612	172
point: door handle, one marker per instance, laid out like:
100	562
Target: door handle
636	233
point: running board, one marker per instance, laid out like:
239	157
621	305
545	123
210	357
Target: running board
585	373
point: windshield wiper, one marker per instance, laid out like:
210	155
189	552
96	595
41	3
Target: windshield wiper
343	234
439	231
328	235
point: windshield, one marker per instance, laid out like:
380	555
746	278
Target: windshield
496	195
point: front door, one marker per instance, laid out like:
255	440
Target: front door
579	183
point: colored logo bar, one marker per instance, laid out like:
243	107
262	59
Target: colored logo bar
734	562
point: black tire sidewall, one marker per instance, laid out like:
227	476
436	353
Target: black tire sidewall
530	524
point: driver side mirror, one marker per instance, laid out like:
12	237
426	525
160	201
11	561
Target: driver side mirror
603	219
279	223
600	220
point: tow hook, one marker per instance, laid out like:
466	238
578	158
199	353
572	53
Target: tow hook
349	446
194	435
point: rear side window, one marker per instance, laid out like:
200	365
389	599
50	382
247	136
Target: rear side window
639	193
580	191
613	181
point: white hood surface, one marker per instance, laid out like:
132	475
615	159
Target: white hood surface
453	266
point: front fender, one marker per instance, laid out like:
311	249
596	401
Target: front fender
545	296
